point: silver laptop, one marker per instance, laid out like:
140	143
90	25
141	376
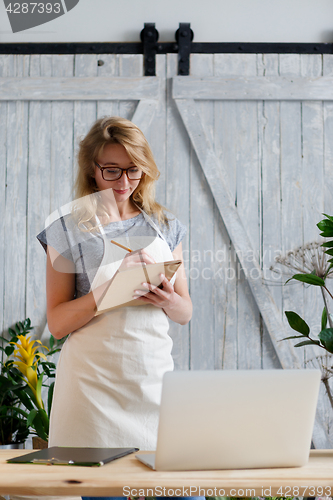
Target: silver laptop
235	419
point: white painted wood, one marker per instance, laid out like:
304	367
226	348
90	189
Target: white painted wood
202	339
291	186
270	206
85	113
155	131
227	264
78	89
271	186
109	69
131	67
15	205
214	173
39	190
328	139
5	64
254	88
176	192
312	181
245	142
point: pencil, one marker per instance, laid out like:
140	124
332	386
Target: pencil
121	246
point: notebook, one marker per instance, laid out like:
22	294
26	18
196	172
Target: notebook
235	419
57	455
121	289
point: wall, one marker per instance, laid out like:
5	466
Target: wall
219	21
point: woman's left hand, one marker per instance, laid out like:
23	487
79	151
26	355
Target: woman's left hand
163	298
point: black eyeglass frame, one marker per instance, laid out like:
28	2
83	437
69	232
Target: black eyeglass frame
122	171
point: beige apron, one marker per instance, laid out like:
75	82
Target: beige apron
108	385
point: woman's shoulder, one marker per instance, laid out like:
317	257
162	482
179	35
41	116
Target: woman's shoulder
62	233
173	229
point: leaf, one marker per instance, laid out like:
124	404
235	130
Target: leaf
27	324
31	417
310	279
50	398
326	338
51	342
329	217
328	233
11	331
294	337
324	319
39	390
328	244
307	342
325	224
25	400
329	252
39	427
297	323
328	270
9	350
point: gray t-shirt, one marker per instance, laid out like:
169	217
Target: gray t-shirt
85	249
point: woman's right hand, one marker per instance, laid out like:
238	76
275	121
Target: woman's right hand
136	258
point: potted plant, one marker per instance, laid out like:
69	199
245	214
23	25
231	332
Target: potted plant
29	370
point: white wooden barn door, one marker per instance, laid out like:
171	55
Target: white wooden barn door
248	173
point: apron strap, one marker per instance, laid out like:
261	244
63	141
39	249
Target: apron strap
152	223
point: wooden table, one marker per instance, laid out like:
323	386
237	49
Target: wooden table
128	477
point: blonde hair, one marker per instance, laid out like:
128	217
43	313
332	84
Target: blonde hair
115	130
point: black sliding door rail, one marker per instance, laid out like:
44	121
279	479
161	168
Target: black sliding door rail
166	48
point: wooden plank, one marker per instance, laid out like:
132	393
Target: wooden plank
270	206
128	476
202	331
155	132
177	200
219	265
131	67
62	141
328	140
254	88
109	69
39	181
16	196
227	265
291	185
215	176
245	143
5	64
312	181
78	89
85	113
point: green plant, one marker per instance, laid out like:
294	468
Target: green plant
28	370
13	420
325	337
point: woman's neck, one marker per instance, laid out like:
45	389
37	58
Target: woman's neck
119	211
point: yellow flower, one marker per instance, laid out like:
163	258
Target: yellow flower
27	358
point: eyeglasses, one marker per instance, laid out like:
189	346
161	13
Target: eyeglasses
114	173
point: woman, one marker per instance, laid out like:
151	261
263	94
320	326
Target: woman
109	375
